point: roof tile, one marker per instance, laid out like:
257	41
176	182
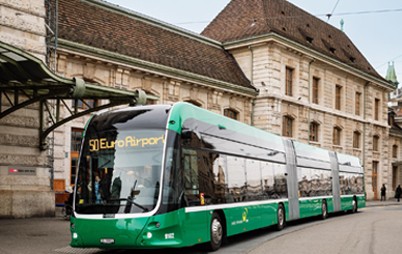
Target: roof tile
106	28
244	19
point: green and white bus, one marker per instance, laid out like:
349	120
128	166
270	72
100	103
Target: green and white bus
170	176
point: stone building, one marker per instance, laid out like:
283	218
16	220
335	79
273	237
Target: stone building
315	86
395	133
263	62
22	24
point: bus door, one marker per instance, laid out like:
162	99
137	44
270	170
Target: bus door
293	191
336	190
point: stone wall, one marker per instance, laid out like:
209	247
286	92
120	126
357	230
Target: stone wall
24	169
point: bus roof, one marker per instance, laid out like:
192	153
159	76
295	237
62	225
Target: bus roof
183	111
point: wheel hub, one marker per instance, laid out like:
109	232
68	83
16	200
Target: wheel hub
216	230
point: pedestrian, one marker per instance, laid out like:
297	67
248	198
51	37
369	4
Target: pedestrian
383	191
398	192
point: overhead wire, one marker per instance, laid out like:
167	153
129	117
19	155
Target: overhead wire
317	15
332	12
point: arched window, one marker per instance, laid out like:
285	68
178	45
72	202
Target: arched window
336	136
231	113
287	126
314	131
356	139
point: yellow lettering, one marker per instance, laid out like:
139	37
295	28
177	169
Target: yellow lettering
129	141
102	142
145	141
93	145
111	144
120	143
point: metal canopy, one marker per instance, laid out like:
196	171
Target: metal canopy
25	80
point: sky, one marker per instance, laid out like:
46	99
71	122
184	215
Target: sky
372	25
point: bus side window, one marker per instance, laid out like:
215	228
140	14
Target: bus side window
236	179
254	183
219	168
190	176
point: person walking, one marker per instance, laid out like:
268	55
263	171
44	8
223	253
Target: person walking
383	192
398	192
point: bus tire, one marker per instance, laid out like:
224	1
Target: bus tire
354	209
281	217
324	210
216	230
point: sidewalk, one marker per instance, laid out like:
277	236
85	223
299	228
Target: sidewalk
383	203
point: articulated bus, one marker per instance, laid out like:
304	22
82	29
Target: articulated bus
170	176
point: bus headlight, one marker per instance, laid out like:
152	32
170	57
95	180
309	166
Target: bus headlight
149	235
75	235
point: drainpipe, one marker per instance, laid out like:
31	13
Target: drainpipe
252	83
364	133
309	99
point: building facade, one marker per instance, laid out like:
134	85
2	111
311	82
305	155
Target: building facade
302	79
315	86
24	169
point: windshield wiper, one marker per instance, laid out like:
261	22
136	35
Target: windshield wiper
130	201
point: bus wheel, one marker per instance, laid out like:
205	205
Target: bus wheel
216	229
281	217
324	210
354	206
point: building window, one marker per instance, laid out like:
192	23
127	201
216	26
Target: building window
394	151
316	87
76	140
356	139
358	96
336	136
287	126
289	81
376	140
84	104
338	97
314	130
377	109
231	113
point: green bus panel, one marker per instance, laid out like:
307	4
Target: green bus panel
242	219
347	202
175	229
89	232
361	201
330	205
310	207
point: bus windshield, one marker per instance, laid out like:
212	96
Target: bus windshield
120	170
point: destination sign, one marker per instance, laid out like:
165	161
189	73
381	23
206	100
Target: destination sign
129	141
